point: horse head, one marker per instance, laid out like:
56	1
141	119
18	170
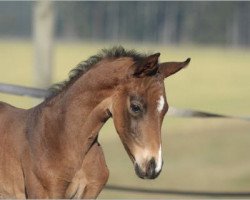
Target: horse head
138	108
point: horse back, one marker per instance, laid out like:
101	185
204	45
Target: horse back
12	123
9	115
5	106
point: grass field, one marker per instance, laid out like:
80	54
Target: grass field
199	154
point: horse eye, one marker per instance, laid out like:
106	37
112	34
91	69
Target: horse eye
135	108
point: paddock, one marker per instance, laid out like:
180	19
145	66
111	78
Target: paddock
200	154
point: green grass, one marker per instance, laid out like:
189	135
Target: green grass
199	154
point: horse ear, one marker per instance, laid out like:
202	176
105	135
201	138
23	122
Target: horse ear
169	68
147	67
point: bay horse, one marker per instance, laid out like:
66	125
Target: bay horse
52	149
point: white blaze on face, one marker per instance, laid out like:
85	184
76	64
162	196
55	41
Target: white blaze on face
160	104
158	161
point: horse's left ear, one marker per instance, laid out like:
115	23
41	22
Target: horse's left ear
169	68
148	67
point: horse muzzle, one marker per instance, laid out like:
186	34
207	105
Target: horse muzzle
151	170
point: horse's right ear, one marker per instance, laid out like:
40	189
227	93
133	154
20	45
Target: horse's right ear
169	68
148	67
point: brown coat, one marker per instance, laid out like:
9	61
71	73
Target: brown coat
51	150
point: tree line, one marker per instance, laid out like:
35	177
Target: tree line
221	23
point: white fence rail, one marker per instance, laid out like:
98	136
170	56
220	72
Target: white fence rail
175	112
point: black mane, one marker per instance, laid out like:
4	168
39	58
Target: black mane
84	66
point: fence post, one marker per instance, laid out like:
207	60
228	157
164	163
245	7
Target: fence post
43	32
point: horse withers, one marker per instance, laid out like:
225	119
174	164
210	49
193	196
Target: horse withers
52	151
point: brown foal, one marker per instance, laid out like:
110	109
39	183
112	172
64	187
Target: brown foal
51	150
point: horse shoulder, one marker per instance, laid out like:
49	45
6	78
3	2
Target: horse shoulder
11	137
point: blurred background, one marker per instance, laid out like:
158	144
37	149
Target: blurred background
40	42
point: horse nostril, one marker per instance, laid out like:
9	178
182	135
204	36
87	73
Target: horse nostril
151	168
139	172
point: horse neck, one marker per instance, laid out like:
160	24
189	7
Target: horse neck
93	87
74	117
